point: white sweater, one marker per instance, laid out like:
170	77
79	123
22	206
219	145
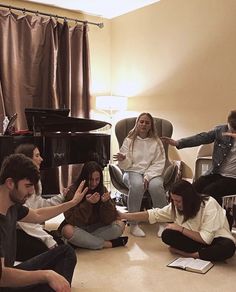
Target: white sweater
36	230
210	221
147	157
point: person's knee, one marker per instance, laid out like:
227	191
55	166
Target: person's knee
208	184
68	231
66	253
136	188
118	227
135	181
156	185
81	239
70	254
230	250
122	225
167	236
158	190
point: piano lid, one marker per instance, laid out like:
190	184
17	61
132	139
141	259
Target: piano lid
57	120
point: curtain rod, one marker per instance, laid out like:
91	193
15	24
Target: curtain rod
100	25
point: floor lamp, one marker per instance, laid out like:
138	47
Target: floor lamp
110	105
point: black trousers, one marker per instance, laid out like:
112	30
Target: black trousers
220	249
61	259
29	246
216	186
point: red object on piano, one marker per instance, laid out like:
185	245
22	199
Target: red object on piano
22	132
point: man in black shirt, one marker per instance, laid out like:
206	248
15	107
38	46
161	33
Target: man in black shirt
50	271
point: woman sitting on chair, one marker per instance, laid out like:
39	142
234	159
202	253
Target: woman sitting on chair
142	157
93	222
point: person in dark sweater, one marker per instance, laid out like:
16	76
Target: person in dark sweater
93	222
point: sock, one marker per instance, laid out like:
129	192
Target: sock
120	241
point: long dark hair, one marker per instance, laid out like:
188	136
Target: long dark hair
86	173
192	200
26	149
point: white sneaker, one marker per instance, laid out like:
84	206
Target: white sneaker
161	228
135	230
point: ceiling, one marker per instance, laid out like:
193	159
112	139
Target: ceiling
103	8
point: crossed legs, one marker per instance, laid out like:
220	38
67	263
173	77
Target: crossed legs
95	236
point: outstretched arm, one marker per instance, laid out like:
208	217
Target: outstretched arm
137	216
170	141
229	134
43	214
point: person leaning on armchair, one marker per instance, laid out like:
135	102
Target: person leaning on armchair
220	179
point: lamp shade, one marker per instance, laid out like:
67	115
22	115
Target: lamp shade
111	102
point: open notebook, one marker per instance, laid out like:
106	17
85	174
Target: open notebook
191	265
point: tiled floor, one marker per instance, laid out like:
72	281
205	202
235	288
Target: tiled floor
141	266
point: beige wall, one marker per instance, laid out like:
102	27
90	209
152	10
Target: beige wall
175	59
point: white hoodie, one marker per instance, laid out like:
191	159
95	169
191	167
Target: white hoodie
36	201
147	157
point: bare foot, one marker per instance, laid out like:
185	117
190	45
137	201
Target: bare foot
183	253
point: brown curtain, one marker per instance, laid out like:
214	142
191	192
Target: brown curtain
44	64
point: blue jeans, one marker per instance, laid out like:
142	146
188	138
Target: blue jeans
61	259
93	236
134	182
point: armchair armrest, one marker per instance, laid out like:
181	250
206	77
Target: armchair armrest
171	174
116	176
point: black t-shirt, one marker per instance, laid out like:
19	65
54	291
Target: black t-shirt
8	232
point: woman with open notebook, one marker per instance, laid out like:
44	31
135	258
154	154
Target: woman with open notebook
197	227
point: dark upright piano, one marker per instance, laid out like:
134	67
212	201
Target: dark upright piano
62	140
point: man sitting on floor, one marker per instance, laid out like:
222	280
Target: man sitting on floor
50	271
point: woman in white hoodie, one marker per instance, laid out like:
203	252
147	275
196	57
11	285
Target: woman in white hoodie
142	157
33	239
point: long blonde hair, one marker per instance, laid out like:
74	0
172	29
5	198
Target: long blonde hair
152	133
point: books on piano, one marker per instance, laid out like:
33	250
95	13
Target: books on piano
9	127
191	265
